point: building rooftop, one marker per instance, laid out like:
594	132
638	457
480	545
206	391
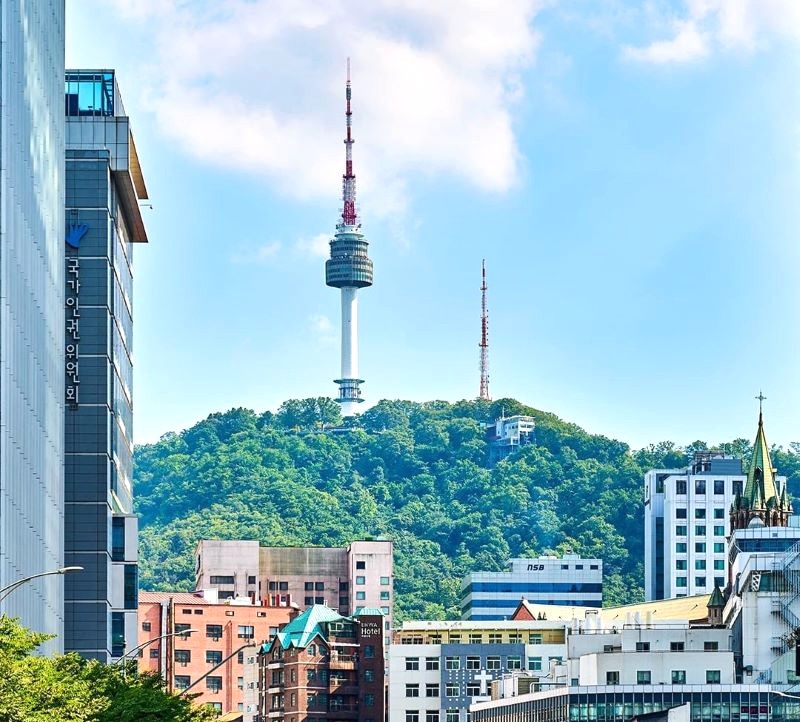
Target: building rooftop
303	628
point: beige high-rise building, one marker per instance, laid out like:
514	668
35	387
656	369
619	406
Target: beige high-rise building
345	578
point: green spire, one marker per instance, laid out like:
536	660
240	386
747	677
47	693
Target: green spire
716	600
760	489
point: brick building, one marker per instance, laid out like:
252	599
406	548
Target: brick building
324	667
223	628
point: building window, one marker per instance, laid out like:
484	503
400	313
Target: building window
492	662
432	690
451	715
719	531
594	567
455	638
680	512
240	658
643	676
710	646
183	656
412	664
700	564
579	566
476	639
319	586
719	564
676	646
145	626
678	676
680	486
699	486
182	681
213	656
369	651
473	689
246	631
118	539
240	682
384	595
495	638
452	690
680	547
412	715
737	487
713	676
719	582
308	586
534	638
308	601
412	690
369	700
700	547
680	564
385	610
384	581
154	652
361	580
369	675
680	581
361	596
699	581
361	565
515	662
515	638
214	684
214	631
431	663
700	530
700	513
535	664
222	580
473	662
251	580
680	530
719	486
719	512
432	715
319	600
452	663
642	646
612	677
719	547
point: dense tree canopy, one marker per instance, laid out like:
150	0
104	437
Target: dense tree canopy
416	473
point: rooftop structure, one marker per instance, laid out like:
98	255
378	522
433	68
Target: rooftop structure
349	268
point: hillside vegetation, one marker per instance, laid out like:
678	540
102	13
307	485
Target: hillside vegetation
416	473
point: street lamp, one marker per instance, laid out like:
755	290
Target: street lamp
5	591
148	643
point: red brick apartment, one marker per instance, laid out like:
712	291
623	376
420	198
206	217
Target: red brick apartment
223	627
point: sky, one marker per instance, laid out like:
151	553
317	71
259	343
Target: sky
630	171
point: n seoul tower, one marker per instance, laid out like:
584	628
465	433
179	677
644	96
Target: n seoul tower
349	268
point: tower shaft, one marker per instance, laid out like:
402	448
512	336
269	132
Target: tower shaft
483	392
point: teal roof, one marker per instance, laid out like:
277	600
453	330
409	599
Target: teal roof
368	612
303	628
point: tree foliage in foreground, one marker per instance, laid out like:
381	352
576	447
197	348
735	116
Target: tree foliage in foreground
67	688
413	472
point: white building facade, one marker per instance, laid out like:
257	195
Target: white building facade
687	521
566	581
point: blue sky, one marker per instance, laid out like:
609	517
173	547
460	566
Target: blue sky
629	170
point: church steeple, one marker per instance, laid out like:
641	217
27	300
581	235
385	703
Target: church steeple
761	496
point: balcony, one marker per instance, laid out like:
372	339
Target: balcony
347	710
348	688
343	661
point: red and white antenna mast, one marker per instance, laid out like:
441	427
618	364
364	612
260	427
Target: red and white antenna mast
484	344
348	179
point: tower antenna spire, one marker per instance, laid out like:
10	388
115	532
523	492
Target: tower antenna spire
349	217
484	344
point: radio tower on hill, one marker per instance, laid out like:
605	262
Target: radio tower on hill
349	268
484	344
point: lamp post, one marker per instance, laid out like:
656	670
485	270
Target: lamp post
5	591
147	644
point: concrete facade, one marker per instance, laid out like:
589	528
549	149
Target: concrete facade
569	581
104	185
32	312
346	579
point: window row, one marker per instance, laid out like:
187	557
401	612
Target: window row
492	662
678	676
700	486
682	582
699	530
700	547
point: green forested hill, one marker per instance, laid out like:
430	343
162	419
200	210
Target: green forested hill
413	472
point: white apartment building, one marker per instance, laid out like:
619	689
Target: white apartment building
568	581
687	521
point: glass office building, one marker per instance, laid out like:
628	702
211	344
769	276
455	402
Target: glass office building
32	311
104	186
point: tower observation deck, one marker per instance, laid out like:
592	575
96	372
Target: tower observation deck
348	269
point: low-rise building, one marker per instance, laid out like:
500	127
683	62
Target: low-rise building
224	630
323	666
508	434
568	581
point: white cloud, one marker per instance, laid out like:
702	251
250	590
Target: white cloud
734	25
315	246
262	254
257	85
688	44
323	330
